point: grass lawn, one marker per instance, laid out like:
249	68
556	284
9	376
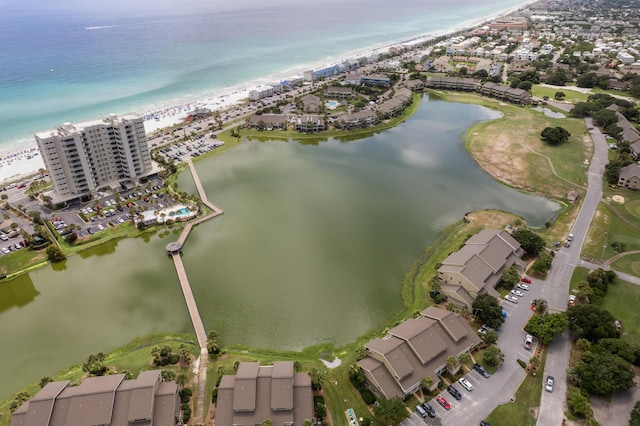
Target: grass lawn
622	301
20	261
579	275
511	150
629	263
572	96
527	396
607	229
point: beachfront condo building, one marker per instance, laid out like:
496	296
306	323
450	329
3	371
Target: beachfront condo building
87	157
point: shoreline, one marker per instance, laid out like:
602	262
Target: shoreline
14	164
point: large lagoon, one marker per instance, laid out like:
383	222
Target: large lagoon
312	247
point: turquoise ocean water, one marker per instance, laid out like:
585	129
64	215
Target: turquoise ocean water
70	60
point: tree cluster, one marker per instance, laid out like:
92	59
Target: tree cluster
487	309
547	327
543	263
390	411
531	242
510	277
591	322
94	364
213	346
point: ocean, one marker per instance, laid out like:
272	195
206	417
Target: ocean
70	60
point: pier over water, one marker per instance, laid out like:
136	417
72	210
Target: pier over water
174	249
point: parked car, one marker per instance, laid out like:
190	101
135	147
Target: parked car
525	280
548	385
522	286
528	341
454	392
431	412
483	423
511	298
443	402
465	384
485	328
480	369
517	293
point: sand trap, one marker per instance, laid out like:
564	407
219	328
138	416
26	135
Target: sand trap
333	364
618	199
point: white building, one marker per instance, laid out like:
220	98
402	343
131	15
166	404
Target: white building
625	58
87	157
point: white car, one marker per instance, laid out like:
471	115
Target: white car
522	286
548	386
511	298
465	384
517	293
100	227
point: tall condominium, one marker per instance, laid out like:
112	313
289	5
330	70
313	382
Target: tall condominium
87	157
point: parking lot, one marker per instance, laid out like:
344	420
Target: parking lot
195	147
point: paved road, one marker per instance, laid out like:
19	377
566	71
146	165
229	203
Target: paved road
556	289
502	386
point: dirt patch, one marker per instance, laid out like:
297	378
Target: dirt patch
493	219
618	199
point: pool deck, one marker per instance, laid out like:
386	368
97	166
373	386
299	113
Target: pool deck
196	320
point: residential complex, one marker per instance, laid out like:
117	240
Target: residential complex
103	400
478	266
257	393
86	157
417	348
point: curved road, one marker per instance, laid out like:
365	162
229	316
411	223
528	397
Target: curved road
556	289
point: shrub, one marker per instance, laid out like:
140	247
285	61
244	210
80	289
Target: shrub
186	391
522	363
368	396
185	399
164	361
173	359
214	395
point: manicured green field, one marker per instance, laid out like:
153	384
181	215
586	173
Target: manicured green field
622	301
571	96
629	263
607	230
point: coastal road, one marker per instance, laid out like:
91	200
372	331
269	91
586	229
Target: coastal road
556	290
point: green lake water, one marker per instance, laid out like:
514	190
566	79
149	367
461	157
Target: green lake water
312	247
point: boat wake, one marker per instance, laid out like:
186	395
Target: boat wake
101	27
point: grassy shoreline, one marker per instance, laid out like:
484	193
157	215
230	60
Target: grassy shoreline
339	393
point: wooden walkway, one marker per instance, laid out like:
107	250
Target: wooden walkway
196	320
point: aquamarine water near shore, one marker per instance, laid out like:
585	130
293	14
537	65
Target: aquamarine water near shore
70	61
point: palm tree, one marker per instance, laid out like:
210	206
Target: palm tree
452	361
220	370
182	379
464	357
267	422
427	382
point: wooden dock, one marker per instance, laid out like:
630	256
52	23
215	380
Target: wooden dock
196	320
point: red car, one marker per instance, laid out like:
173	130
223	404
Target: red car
443	402
525	280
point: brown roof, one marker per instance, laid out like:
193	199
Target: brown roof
244	394
425	344
105	400
279	394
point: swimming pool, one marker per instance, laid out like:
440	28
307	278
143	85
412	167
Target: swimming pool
332	104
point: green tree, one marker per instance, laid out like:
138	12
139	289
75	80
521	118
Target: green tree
578	403
541	306
168	375
45	380
634	420
55	254
390	411
543	263
182	379
547	327
618	374
531	242
320	410
510	277
490	337
559	96
557	78
427	382
493	356
317	378
464	357
555	135
591	322
487	309
95	364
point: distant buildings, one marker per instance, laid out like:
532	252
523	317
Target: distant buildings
257	393
268	121
417	348
105	400
478	266
86	157
264	91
